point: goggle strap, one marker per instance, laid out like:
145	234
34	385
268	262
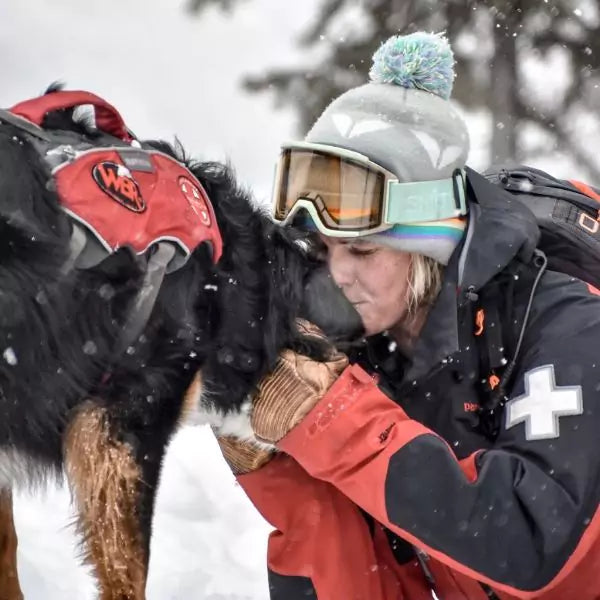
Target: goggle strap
423	201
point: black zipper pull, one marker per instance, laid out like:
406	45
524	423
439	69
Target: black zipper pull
423	559
489	591
471	295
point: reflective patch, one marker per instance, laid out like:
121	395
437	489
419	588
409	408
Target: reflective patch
542	404
136	160
196	199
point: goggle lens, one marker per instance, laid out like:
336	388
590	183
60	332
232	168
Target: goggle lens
345	194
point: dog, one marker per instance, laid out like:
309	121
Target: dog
101	339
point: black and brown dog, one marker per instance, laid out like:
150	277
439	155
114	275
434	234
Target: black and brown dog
101	339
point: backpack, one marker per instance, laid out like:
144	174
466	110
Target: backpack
117	193
568	216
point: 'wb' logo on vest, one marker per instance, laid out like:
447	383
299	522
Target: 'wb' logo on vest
116	181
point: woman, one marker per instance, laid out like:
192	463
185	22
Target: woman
456	456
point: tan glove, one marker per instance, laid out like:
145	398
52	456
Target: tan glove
292	389
243	456
284	397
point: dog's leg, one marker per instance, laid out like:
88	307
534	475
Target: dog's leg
9	579
106	483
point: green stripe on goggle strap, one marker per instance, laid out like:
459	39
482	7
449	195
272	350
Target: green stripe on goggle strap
434	230
423	201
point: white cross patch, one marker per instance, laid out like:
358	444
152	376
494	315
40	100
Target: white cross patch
542	404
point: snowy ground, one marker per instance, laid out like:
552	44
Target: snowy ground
208	543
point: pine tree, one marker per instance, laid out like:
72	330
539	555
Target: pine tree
196	6
497	44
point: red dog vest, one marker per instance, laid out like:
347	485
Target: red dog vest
123	194
161	200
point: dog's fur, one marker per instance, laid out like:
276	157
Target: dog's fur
69	400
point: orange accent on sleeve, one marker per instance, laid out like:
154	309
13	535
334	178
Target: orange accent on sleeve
593	290
468	466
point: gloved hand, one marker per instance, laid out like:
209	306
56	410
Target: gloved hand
243	456
287	394
284	397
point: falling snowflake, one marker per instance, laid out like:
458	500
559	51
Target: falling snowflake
10	357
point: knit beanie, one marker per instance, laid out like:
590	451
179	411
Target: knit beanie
404	121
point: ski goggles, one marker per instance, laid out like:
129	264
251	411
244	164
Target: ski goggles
348	195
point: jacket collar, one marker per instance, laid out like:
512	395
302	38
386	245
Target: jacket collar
500	229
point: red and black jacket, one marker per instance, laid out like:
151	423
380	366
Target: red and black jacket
391	488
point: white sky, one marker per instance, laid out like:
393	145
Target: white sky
169	74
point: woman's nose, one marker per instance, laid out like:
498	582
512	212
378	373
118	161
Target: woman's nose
341	266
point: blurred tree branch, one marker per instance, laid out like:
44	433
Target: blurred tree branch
196	6
494	41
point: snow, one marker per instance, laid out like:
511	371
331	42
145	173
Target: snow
208	541
10	357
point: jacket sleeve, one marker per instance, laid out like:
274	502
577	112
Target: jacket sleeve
321	547
519	516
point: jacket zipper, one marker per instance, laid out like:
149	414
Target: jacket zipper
489	591
423	559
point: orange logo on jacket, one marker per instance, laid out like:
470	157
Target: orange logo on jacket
117	181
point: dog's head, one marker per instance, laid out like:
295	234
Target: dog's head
265	280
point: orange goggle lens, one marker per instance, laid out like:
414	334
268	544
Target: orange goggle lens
347	195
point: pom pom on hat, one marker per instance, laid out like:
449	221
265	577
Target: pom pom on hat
417	61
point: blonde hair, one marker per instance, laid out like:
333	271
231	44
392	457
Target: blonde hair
424	282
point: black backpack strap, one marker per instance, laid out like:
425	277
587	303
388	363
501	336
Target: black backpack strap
499	343
567	213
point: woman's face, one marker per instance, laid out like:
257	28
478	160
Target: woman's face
373	278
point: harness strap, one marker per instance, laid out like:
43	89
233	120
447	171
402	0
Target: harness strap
76	245
146	298
107	117
23	124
